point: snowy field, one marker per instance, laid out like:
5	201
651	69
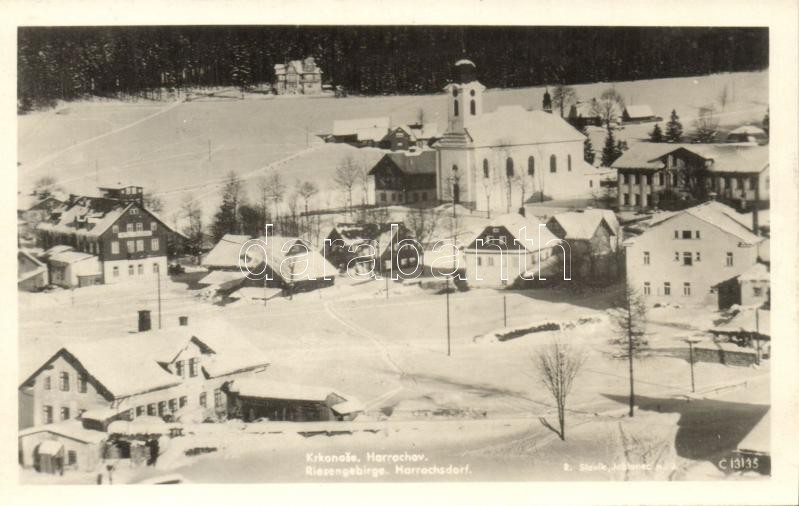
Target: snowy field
391	353
174	148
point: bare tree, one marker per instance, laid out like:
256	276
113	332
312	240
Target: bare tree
523	183
488	186
609	106
706	125
306	190
558	364
628	318
563	96
153	203
346	176
363	178
273	189
420	116
423	223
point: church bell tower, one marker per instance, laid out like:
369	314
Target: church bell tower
464	96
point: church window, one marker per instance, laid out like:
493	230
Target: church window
485	168
509	167
454	92
569	162
472	108
553	164
455	105
471	92
531	166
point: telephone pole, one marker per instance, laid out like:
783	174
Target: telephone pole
449	345
158	277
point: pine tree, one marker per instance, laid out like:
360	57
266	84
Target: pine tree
609	151
588	148
656	135
227	219
674	128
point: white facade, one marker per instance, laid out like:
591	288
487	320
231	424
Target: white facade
492	269
681	259
497	160
118	271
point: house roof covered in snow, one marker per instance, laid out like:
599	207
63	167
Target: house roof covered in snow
136	363
714	213
344	127
521	228
70	257
639	111
758	272
230	253
411	162
748	320
724	157
514	125
583	224
72	429
748	130
267	389
584	109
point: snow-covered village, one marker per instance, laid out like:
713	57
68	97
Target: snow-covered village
393	254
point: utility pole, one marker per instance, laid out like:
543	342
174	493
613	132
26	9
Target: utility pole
449	345
630	358
691	343
158	277
757	335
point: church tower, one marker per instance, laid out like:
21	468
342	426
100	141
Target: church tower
547	103
464	96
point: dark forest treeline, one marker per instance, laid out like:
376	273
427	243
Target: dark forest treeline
67	63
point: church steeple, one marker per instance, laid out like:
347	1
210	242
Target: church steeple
465	96
547	103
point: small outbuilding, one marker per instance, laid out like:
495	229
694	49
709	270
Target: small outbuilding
55	448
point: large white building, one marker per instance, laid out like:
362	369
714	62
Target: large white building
499	160
685	255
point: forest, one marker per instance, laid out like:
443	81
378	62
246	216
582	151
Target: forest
67	63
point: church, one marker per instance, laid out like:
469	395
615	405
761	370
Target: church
498	161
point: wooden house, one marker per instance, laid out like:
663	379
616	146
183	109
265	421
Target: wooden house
593	236
126	240
405	178
373	248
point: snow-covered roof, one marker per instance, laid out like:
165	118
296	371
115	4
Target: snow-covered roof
714	213
416	162
427	131
375	133
748	130
131	364
228	253
222	278
758	272
259	387
343	127
72	429
583	224
585	109
536	236
351	405
514	125
639	111
725	157
70	257
141	425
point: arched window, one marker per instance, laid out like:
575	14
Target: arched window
485	168
553	164
569	162
456	107
454	92
531	166
454	170
473	107
509	167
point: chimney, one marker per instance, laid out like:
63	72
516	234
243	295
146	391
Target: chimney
144	320
183	320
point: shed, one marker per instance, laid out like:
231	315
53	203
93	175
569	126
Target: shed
57	447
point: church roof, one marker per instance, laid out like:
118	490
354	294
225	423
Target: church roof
514	126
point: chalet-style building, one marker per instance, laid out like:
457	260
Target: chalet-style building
500	160
405	178
682	256
367	247
510	248
594	237
113	238
291	264
174	372
405	137
298	77
360	132
650	173
638	114
35	208
583	114
252	399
